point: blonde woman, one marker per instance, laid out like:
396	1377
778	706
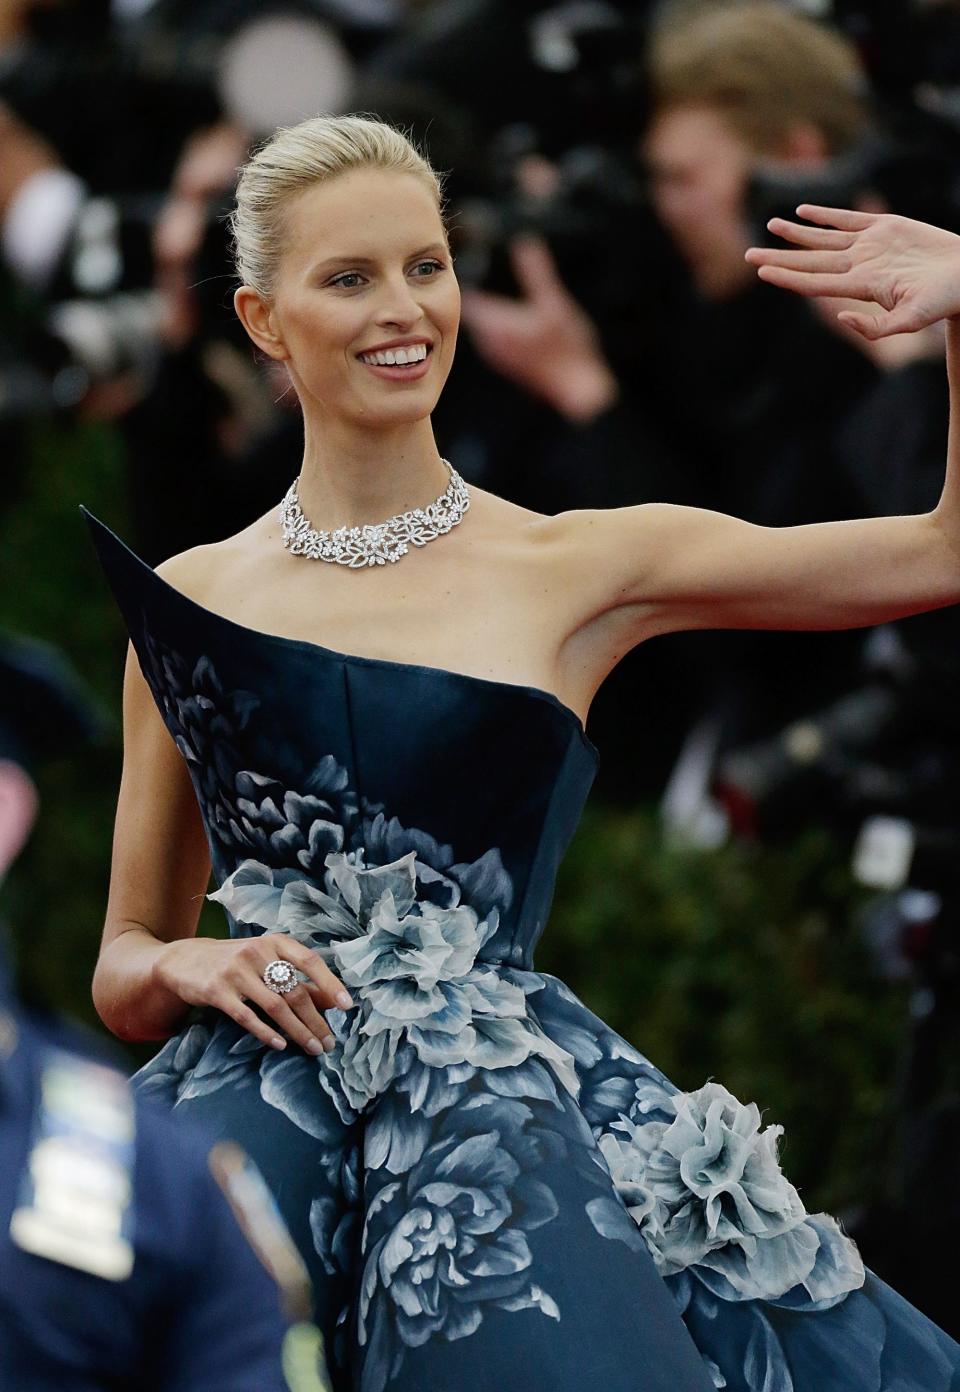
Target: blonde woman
365	714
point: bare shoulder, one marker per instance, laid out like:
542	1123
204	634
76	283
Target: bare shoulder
606	555
573	531
623	575
581	531
202	572
588	560
492	510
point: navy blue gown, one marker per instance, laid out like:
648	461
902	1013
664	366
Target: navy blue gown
492	1189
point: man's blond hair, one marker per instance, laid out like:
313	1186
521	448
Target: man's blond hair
767	70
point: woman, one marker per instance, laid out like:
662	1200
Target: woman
492	1189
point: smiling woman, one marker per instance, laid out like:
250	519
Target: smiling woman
359	290
490	1187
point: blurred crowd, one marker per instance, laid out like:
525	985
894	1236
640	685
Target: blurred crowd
609	163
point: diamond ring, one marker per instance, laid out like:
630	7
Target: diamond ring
280	976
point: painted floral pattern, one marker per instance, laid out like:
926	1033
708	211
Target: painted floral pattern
454	1229
484	1149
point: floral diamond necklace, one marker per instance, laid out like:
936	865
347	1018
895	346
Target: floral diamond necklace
374	543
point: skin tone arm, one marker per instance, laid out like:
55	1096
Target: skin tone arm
685	568
152	967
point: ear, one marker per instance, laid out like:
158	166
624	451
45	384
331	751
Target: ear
258	318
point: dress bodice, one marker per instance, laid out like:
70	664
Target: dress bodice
297	751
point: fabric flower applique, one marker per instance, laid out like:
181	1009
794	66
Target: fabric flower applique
702	1181
413	962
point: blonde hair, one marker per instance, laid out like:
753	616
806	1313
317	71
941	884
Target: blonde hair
764	68
293	159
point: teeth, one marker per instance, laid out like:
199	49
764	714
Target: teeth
396	357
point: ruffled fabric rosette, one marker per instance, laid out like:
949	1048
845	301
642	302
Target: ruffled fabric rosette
702	1181
411	961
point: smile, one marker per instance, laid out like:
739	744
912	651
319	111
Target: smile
399	364
396	357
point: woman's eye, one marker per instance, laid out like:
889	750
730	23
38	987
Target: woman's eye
352	280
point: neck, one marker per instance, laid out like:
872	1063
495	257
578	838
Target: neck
350	477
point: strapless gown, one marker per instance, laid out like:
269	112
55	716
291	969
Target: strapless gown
491	1188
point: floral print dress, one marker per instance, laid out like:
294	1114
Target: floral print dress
491	1188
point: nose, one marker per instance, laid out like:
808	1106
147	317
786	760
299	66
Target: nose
398	306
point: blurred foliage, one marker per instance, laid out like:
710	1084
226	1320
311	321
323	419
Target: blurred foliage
741	964
50	588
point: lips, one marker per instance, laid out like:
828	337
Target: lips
398	372
398	353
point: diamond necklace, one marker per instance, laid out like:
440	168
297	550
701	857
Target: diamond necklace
374	543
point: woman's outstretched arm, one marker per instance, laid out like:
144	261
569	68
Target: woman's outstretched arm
682	568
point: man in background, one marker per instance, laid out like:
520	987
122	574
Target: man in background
743	389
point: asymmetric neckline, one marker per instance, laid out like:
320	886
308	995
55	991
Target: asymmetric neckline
307	645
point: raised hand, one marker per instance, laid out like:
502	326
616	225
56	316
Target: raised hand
907	273
544	342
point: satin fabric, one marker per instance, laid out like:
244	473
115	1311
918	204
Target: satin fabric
491	1188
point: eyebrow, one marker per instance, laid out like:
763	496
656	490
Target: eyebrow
333	261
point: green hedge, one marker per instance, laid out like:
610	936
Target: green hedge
741	964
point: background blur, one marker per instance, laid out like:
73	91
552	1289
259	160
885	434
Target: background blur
764	888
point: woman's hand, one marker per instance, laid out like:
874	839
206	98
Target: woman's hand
228	974
906	272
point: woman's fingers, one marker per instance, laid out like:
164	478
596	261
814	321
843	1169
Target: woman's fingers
231	1004
331	989
869	325
905	273
305	1002
295	1013
832	262
828	238
808	283
844	218
883	323
827	263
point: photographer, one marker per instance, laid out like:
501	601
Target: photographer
113	243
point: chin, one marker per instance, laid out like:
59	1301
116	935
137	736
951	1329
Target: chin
401	413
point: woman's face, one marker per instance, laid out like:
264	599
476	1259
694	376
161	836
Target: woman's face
366	271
